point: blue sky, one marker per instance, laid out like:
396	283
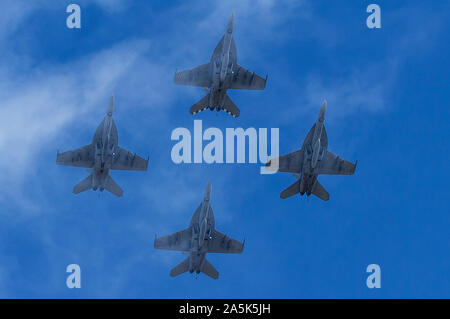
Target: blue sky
387	93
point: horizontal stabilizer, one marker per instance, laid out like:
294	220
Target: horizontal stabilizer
112	187
201	105
209	270
291	190
230	107
84	185
180	269
320	192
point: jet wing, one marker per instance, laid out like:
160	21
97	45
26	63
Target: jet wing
81	157
199	76
290	163
180	241
334	165
221	243
243	79
124	160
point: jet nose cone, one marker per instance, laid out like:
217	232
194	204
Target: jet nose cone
208	191
110	109
324	106
323	109
231	23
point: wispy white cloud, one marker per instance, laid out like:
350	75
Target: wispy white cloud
109	5
255	17
361	90
13	13
43	104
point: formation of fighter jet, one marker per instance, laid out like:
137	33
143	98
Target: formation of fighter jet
197	240
310	161
219	75
101	156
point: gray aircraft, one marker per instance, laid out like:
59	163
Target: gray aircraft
101	156
219	75
197	240
310	161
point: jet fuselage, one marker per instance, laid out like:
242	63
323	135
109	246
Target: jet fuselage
105	141
202	228
223	62
315	146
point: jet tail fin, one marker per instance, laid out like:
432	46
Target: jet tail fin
209	270
180	268
291	190
84	185
230	107
201	105
320	191
112	187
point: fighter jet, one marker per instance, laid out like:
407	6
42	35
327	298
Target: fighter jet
199	238
219	75
101	156
310	161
